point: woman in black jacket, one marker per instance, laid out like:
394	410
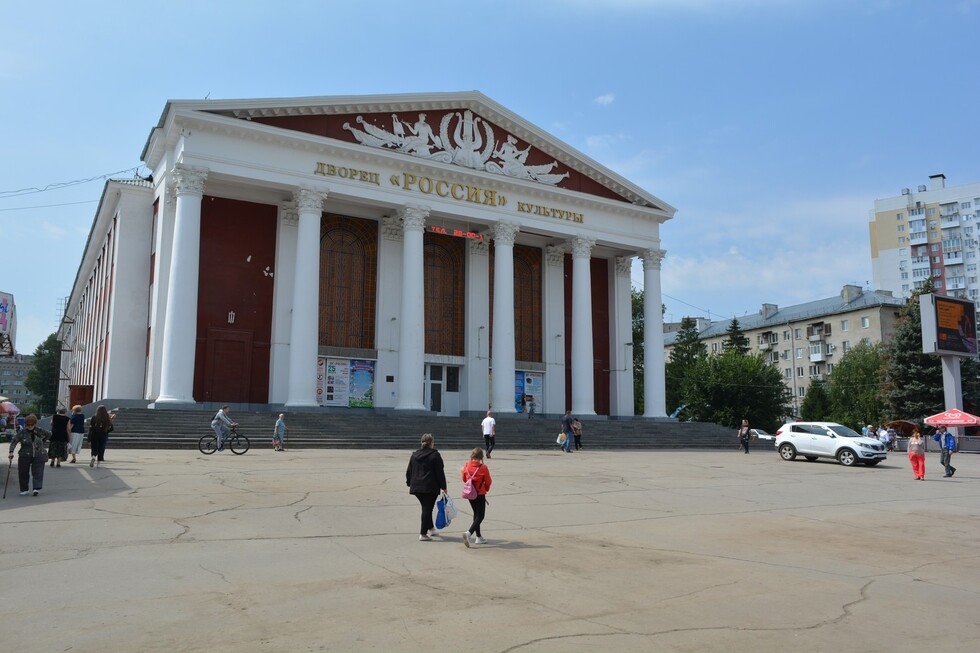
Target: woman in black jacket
426	478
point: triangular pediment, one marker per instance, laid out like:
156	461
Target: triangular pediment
463	129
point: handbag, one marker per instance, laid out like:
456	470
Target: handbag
561	438
469	490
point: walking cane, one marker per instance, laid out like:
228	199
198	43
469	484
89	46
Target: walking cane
10	463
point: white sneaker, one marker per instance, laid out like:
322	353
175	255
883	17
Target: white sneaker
424	538
480	540
466	539
91	463
24	494
98	464
432	533
35	492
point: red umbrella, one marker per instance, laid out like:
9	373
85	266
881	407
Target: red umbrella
953	417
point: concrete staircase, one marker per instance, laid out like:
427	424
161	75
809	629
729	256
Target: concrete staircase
181	429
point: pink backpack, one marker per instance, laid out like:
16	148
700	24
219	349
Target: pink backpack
469	490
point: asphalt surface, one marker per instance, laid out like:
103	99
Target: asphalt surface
630	551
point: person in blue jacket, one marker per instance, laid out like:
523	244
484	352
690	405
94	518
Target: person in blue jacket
948	444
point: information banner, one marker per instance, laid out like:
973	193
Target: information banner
361	384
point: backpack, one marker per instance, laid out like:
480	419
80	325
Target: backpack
469	490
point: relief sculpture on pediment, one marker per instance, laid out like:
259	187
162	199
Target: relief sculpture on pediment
463	139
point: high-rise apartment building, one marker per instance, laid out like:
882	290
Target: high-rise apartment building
928	233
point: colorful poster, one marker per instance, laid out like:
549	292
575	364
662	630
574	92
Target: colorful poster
361	384
336	391
534	388
518	391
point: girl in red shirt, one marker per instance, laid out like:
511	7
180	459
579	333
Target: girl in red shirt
476	470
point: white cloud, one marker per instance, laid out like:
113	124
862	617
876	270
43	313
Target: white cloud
603	141
605	100
53	231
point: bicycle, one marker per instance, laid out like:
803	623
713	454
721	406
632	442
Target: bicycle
234	440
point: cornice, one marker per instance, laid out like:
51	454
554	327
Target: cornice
244	110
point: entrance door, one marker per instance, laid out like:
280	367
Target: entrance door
227	370
433	387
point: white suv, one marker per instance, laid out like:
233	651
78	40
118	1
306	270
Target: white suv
814	440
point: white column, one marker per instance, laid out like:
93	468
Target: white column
475	390
504	349
554	400
180	319
411	333
303	331
282	305
654	397
621	340
583	359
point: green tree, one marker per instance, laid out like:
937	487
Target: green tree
816	404
855	387
637	298
727	387
913	381
736	340
688	348
43	378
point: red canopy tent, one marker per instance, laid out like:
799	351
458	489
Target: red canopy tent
952	417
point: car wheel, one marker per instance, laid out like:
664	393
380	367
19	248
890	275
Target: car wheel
810	458
846	457
787	451
871	463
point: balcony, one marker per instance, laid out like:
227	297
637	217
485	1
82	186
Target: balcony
819	376
950	221
918	238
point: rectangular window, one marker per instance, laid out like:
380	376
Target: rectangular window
801	392
932	212
934	247
799	372
901	240
905	275
938	284
900	216
799	352
796	333
846	346
814	370
903	251
964	205
787	334
714	347
844	325
830	368
865	322
788	373
901	227
905	287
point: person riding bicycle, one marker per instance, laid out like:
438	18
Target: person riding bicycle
222	424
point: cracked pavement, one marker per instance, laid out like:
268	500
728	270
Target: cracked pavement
622	551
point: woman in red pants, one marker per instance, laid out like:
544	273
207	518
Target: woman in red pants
917	454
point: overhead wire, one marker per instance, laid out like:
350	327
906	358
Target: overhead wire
4	194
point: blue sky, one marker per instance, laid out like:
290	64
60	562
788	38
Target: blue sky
771	125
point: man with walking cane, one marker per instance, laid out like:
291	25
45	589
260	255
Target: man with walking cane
10	463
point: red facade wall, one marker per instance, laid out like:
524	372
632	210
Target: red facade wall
238	249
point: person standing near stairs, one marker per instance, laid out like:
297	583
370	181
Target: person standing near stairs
489	428
279	433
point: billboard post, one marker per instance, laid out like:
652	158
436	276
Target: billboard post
949	331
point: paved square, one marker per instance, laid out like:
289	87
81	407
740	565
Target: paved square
318	550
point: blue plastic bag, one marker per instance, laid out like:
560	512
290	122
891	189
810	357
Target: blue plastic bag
445	511
441	520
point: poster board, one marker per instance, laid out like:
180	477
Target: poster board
949	326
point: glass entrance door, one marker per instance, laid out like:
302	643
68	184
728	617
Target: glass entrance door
433	387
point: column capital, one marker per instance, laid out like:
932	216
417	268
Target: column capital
309	199
479	247
624	266
581	246
413	217
555	254
391	227
289	213
189	180
505	233
652	258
